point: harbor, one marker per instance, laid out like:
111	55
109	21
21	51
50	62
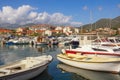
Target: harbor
56	70
54	40
89	52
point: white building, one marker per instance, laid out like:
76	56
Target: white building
48	32
67	30
58	28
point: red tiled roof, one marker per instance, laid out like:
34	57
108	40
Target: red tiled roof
56	30
40	31
5	30
30	31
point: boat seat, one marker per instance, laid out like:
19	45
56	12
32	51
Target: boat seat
4	72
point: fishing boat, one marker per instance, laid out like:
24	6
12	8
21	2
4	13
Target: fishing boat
39	41
18	41
91	62
103	51
86	74
25	69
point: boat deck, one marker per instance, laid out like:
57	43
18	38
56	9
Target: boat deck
85	58
18	66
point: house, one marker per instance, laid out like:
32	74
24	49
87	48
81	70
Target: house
58	28
30	32
5	31
76	30
40	32
21	31
48	32
67	30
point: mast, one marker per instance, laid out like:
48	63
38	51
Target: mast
91	26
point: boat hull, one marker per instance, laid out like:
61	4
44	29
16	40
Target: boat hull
18	43
113	67
27	73
100	54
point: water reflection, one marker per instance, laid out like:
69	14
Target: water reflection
10	53
41	49
15	52
43	76
46	48
87	74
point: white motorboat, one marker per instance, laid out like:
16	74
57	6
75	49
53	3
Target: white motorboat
100	47
25	69
103	51
91	62
17	41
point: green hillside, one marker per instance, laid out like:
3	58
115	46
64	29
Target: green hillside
110	23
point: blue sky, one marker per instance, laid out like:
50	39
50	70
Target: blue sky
73	12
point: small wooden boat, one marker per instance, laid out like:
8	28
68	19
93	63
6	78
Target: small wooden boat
87	74
25	69
91	62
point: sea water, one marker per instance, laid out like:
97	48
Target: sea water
55	70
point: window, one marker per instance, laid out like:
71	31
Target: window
116	49
82	37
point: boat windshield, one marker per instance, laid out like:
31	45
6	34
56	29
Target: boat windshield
116	50
96	49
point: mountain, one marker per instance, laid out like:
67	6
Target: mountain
110	23
13	26
8	25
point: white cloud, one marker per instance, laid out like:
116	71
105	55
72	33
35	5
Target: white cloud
26	14
118	5
85	8
76	24
100	8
